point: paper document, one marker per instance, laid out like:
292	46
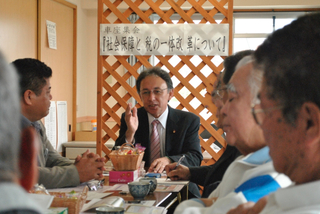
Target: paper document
44	201
145	209
52	34
50	122
112	201
168	188
95	194
148	203
168	181
89	204
62	124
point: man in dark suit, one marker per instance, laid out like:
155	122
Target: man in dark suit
178	130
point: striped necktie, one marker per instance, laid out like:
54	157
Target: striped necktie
155	141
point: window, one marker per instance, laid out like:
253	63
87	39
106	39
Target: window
251	29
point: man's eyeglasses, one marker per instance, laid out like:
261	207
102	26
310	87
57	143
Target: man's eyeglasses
156	92
259	114
219	93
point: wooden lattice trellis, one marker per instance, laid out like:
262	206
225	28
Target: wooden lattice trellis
113	66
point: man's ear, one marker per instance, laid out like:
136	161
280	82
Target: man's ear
310	113
27	97
171	93
28	161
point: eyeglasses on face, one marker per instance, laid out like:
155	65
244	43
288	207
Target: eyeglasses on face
156	92
258	113
218	93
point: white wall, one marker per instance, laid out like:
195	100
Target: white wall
87	64
87	46
86	60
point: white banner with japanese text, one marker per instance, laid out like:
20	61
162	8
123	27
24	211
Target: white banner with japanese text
164	39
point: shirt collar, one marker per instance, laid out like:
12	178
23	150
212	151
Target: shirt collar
296	196
162	119
258	157
25	122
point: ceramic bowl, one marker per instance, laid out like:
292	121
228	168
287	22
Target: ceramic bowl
153	183
139	189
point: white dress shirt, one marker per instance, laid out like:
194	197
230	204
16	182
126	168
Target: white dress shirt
302	198
161	129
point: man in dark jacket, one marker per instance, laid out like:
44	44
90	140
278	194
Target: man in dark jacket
177	131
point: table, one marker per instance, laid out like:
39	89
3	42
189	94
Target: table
167	200
163	199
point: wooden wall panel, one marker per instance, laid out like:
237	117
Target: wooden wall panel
62	61
107	68
18	29
23	34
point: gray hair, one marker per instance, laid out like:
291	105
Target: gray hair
255	77
9	122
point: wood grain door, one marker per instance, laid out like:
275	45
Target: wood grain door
61	60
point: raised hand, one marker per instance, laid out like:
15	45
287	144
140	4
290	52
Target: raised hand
132	122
